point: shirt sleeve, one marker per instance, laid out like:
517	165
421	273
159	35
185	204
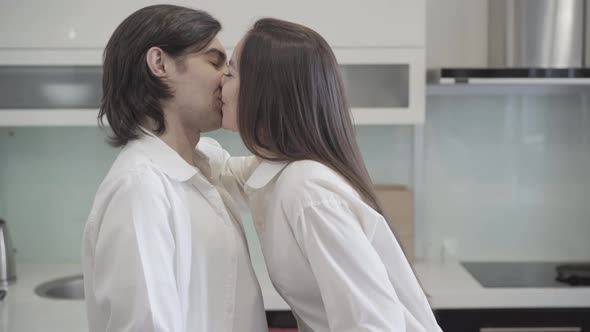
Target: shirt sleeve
134	278
237	170
353	281
231	172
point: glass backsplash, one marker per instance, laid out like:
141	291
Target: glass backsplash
48	178
506	177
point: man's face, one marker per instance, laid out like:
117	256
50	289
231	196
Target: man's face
230	91
196	84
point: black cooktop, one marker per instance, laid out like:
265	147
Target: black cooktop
529	274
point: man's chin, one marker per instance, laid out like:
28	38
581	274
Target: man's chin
228	126
234	130
212	126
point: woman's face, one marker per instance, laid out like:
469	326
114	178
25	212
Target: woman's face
230	90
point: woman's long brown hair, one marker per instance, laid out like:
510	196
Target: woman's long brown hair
292	104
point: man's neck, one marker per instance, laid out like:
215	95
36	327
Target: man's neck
179	138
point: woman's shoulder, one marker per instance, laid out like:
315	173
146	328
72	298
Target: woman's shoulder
308	168
309	172
306	182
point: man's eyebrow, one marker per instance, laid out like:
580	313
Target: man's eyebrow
218	52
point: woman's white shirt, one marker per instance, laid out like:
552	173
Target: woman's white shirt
331	256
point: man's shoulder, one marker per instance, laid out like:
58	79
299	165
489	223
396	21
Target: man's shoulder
132	169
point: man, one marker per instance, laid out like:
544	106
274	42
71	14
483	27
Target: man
163	248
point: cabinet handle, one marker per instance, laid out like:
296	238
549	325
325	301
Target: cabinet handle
530	329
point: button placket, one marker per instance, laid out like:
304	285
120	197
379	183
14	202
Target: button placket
211	195
232	278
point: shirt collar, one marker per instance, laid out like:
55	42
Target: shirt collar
165	158
264	173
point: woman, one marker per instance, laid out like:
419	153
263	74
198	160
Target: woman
330	252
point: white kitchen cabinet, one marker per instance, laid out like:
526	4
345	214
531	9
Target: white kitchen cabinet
409	85
48	118
88	24
69	26
371	23
384	86
60	24
387	33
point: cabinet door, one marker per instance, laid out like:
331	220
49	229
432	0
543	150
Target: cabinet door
89	24
370	23
67	24
59	32
384	86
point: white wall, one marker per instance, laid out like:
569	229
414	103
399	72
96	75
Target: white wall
456	33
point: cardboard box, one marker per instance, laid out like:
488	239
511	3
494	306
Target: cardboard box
397	202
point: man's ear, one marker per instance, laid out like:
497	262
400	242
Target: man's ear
156	62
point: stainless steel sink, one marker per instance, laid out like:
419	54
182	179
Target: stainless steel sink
68	288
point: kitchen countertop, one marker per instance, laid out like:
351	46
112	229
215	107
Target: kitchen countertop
22	310
449	285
